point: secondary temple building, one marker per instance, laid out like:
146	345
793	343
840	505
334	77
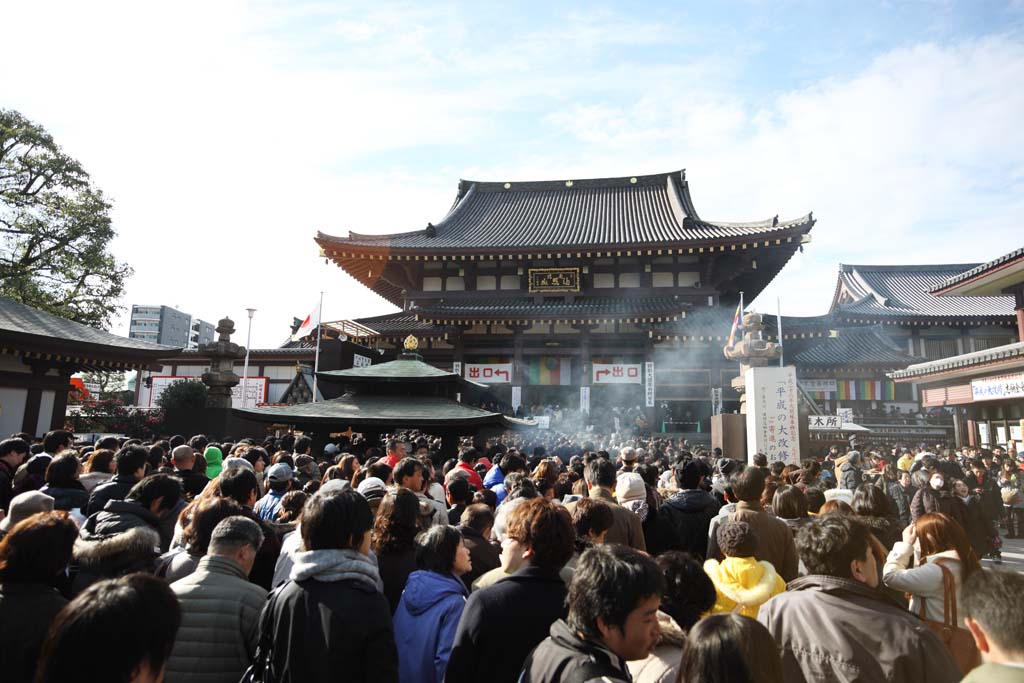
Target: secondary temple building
567	292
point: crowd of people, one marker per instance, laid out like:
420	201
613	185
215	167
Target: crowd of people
563	558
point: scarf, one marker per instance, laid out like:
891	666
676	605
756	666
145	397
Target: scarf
337	565
638	507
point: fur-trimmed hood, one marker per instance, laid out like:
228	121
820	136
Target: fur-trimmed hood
743	581
100	554
671	633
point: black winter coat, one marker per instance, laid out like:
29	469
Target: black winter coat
330	631
563	653
26	611
850	476
67	497
683	521
115	489
502	623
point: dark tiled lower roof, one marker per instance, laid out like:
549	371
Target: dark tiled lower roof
967	360
905	292
583	307
865	346
603	212
980	270
395	370
21	323
403	322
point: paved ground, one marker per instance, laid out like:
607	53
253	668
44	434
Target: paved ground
1013	555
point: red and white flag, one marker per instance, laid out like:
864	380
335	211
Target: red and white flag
308	325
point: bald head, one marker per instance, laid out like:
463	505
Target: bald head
182	457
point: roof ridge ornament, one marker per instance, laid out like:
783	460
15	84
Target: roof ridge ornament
411	343
431	231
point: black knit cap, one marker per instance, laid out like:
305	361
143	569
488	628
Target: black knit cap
736	539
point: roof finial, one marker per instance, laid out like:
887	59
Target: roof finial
431	230
411	343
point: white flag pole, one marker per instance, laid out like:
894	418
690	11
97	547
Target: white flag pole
778	320
316	360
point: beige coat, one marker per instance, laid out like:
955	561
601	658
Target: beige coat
662	665
626	527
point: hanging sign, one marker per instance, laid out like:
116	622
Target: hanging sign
554	280
457	368
995	388
772	414
617	373
491	373
824	423
543	421
585	400
255	389
820	386
361	361
649	389
517	398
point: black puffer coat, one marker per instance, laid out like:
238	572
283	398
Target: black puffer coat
683	521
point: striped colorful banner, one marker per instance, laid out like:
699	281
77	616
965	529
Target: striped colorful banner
550	371
865	390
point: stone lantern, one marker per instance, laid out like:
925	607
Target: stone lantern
752	351
221	376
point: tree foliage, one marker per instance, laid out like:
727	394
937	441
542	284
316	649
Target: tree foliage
183	395
55	228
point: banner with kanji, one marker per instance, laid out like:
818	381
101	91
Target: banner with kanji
491	373
617	373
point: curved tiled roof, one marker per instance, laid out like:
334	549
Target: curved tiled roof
865	346
581	307
980	270
402	322
603	212
968	360
905	292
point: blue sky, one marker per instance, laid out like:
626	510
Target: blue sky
228	133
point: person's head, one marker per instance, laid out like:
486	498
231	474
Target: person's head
291	506
109	443
397	521
237	538
101	461
599	472
512	462
815	499
990	605
56	441
198	443
139	613
838	545
478	517
760	460
789	502
688	474
904	478
239	484
183	457
131	461
538	533
870	501
159	493
203	516
937	480
689	591
591	519
14	451
486	497
440	549
938	532
458	492
836	507
409	473
731	648
303	445
62	472
748	484
736	539
614	598
37	548
337	520
396	449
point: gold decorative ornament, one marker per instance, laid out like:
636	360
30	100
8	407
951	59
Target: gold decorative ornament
411	343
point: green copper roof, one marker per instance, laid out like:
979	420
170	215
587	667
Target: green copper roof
405	370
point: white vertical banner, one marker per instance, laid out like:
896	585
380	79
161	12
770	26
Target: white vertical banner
585	400
517	398
649	389
772	416
361	361
457	368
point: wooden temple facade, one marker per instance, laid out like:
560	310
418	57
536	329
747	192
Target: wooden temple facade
613	290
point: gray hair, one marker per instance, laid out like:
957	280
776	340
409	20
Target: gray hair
232	533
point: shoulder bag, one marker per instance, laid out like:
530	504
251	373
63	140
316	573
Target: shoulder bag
958	641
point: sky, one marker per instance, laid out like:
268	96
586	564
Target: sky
228	133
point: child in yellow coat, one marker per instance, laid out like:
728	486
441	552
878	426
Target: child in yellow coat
742	583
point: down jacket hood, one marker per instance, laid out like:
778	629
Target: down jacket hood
691	500
743	581
425	589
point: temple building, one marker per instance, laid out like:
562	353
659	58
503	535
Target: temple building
571	292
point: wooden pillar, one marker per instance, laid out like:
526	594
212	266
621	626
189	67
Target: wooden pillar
60	403
32	405
458	343
1018	304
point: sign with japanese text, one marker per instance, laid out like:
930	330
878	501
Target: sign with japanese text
361	361
585	400
649	387
617	373
772	426
821	386
255	388
554	280
490	373
517	398
995	388
457	368
844	414
543	421
824	423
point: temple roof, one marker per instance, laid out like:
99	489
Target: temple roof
887	292
581	308
855	346
605	212
44	335
402	322
987	279
997	358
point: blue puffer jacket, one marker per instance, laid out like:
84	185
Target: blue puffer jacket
425	622
495	481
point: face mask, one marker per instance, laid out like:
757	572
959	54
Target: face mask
938	482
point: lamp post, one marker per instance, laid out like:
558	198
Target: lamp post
245	370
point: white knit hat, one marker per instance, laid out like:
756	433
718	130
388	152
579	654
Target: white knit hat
630	486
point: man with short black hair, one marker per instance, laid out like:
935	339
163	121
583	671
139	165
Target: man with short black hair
396	451
475	524
468	458
510	463
459	497
410	473
502	623
835	624
220	608
627	529
612	619
130	462
13	453
990	602
684	518
775	538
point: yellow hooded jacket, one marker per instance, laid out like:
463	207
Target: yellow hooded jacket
743	584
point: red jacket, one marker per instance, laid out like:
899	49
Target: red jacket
474	478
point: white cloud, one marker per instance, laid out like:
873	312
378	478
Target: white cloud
228	133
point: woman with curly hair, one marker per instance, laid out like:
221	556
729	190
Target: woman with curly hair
394	541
